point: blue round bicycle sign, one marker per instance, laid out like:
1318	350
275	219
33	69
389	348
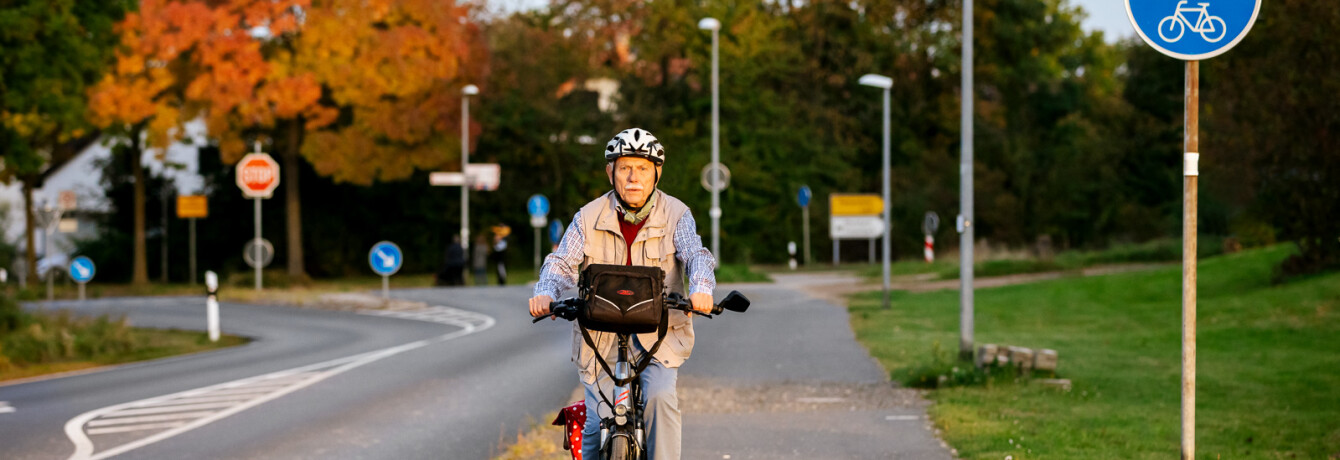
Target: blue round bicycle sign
1192	30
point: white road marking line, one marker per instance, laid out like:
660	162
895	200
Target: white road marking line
902	418
210	398
148	418
129	428
170	409
820	400
302	377
5	408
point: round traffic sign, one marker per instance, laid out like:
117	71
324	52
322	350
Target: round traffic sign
931	224
804	195
1192	30
555	231
538	205
267	253
385	258
82	269
722	176
257	175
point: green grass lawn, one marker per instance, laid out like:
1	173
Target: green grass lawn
150	344
1268	370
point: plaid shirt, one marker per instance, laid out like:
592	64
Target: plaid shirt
561	267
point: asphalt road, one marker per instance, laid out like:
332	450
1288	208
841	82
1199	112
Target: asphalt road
785	380
453	398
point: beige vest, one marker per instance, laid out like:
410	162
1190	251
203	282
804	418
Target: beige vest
653	246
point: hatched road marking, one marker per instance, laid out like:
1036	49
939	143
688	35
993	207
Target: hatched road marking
155	419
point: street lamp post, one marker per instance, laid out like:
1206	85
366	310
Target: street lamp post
714	25
466	92
885	83
965	222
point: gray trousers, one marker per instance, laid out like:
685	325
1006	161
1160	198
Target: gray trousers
661	416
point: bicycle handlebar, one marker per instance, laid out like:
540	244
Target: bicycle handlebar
569	307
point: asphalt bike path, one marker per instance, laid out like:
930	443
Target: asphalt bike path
787	379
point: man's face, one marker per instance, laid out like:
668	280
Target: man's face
634	179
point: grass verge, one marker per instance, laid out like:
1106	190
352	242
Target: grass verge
33	344
541	441
740	273
1266	370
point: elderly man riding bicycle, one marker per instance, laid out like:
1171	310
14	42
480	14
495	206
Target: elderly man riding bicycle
634	224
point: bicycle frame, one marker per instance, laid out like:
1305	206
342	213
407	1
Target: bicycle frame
626	407
1200	20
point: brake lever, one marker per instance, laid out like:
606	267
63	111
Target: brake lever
538	318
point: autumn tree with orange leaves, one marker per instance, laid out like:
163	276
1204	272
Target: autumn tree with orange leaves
364	90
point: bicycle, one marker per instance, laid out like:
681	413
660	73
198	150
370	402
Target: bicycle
622	436
1205	25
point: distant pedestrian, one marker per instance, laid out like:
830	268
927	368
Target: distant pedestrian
479	263
453	266
500	251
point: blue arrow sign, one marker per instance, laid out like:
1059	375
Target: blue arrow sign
385	258
538	205
1192	30
555	231
82	269
803	197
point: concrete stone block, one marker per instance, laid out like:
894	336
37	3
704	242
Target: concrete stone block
986	354
1046	360
1022	357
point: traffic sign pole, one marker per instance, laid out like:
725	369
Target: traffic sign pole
805	217
81	270
258	176
192	263
258	244
1190	174
386	259
803	198
1191	34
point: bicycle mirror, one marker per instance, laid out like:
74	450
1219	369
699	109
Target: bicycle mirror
736	302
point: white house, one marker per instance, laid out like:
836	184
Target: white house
82	176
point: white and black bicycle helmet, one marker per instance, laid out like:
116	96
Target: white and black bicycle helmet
635	142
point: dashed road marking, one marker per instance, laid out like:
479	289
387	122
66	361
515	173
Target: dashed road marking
5	408
902	418
163	417
435	314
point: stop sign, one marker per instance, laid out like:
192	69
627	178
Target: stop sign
257	175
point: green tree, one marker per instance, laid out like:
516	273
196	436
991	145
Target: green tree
50	52
1272	122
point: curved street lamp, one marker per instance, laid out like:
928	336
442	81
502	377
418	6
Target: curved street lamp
714	25
885	83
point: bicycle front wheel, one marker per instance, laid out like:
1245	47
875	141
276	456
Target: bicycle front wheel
621	449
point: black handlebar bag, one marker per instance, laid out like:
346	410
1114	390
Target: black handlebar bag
623	299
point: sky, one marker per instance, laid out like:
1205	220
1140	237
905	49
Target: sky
1106	15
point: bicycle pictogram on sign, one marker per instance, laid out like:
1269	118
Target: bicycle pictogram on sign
1211	28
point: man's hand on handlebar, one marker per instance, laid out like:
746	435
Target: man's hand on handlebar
702	302
539	305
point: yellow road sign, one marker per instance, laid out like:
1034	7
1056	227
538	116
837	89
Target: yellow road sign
192	207
855	205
